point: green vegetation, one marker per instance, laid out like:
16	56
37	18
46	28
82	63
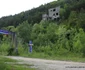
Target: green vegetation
35	15
6	64
63	40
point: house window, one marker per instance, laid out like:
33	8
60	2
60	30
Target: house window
55	18
50	17
53	14
50	10
56	13
54	9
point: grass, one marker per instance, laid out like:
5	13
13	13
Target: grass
6	59
10	64
63	55
67	57
18	67
60	55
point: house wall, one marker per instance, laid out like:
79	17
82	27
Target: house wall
44	17
53	13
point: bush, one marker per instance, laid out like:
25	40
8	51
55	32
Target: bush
12	51
2	65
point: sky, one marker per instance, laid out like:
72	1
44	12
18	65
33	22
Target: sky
11	7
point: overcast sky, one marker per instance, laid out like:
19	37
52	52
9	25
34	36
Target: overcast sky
11	7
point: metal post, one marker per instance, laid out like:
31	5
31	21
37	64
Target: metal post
12	40
30	46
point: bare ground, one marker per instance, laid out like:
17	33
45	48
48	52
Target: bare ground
42	64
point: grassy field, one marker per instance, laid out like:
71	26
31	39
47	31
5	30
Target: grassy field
60	55
9	64
67	57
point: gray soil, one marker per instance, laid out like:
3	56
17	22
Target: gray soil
42	64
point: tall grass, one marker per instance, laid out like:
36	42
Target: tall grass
43	52
5	65
4	48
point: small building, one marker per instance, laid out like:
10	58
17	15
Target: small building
44	17
53	14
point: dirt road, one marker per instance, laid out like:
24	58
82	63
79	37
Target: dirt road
42	64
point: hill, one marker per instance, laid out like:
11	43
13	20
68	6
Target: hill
32	16
35	15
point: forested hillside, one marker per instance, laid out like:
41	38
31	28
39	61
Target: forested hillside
65	37
72	8
32	16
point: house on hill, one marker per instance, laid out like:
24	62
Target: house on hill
44	17
53	14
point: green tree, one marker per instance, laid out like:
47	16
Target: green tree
24	31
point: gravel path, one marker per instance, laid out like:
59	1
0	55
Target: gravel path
42	64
